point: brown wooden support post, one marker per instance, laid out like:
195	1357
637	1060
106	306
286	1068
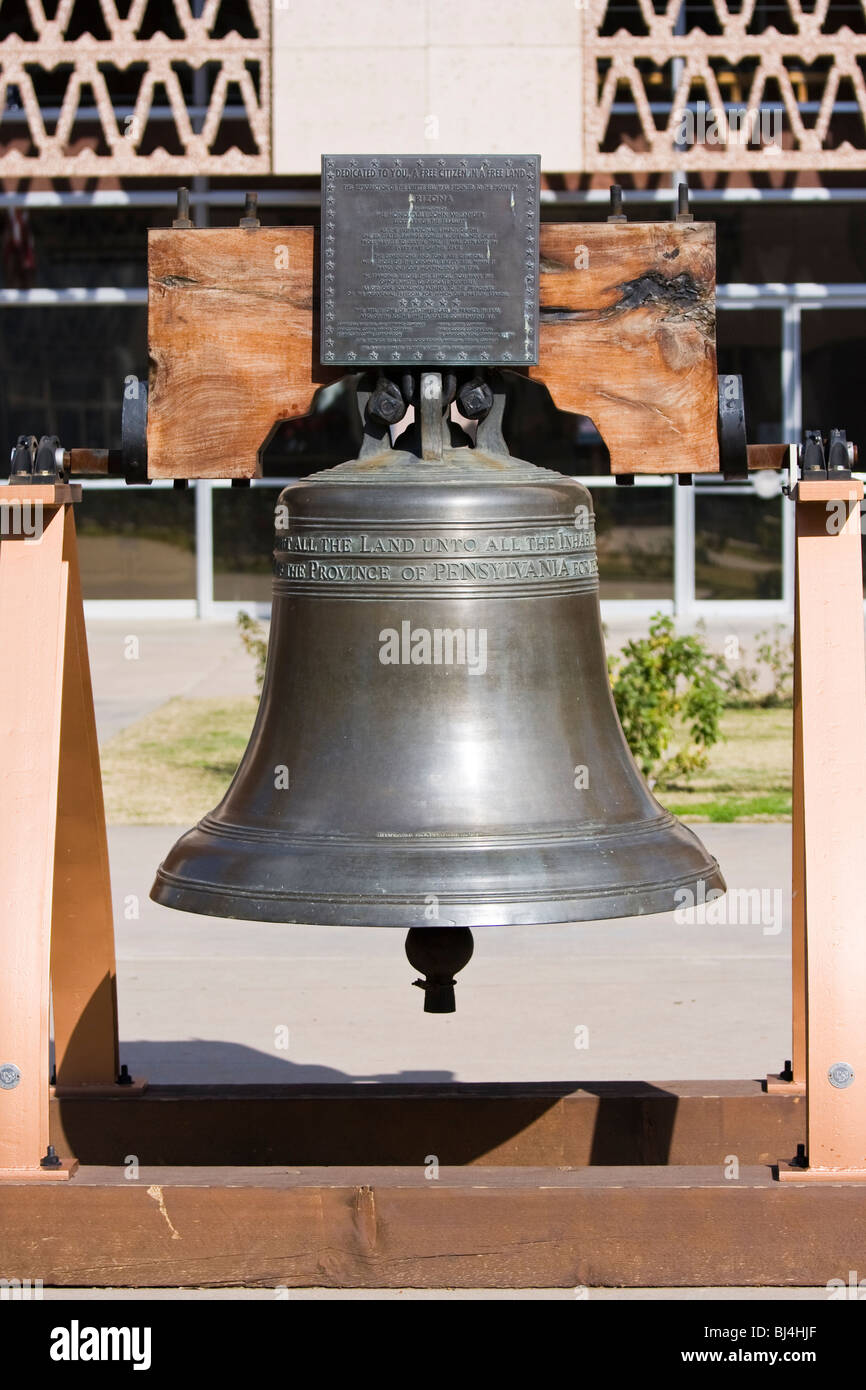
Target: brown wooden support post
794	1082
56	923
829	917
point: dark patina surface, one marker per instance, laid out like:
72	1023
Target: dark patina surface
430	260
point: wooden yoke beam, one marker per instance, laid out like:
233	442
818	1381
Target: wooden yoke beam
233	343
626	337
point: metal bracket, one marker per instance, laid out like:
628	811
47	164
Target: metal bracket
431	417
489	435
133	431
733	450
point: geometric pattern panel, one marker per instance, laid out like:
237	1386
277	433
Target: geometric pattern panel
756	88
667	86
66	78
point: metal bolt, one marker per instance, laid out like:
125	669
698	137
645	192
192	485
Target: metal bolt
250	219
9	1076
683	214
616	212
124	1078
182	217
475	399
23	456
840	454
840	1075
51	1159
812	460
386	404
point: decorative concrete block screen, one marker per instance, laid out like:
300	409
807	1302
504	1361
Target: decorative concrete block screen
162	90
696	83
158	91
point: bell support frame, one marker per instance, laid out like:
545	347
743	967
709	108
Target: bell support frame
57	923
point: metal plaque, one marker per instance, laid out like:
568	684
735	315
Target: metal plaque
430	260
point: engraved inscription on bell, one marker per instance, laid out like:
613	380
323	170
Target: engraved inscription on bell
556	555
430	260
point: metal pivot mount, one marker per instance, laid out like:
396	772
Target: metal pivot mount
479	395
56	928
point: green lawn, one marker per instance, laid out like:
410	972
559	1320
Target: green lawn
749	773
174	765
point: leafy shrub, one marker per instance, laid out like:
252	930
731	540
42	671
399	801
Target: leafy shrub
255	643
669	701
774	653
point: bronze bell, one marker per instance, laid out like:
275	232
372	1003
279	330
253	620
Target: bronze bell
436	746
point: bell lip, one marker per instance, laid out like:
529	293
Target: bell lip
393	911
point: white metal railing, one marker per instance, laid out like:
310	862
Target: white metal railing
664	197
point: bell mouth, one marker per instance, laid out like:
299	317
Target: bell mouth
630	870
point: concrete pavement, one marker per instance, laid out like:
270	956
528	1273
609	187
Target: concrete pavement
207	999
137	665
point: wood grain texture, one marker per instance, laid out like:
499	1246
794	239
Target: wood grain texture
83	970
768	457
627	338
33	600
391	1228
56	922
832	768
232	343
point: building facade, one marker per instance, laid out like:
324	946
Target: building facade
106	106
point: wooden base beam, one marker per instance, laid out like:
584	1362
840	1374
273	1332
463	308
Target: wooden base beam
794	1173
481	1227
66	1169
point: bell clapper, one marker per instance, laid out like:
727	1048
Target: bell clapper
439	952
